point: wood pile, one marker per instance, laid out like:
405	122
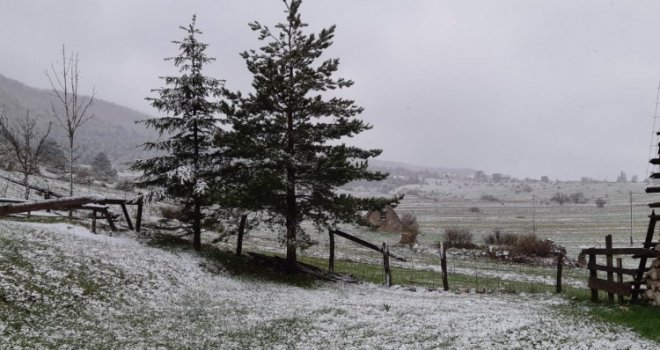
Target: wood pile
653	281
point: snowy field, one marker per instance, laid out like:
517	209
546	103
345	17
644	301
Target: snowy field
63	287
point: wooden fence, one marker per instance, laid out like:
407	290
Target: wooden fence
630	288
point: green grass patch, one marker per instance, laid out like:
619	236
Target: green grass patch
643	319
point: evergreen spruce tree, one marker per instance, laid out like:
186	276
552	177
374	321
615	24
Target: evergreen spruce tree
185	170
292	132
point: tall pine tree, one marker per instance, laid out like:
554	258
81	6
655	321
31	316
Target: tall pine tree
292	131
185	171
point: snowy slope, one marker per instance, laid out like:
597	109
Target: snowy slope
61	286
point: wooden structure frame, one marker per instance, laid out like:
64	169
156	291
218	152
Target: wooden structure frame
384	249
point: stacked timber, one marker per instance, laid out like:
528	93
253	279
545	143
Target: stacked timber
653	281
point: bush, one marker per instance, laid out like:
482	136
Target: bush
124	185
578	198
560	198
489	198
172	213
410	229
530	245
600	202
458	238
501	238
475	210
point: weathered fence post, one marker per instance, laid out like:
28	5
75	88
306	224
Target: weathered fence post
593	276
127	217
93	221
610	265
331	261
241	231
619	275
111	223
138	217
443	265
560	266
386	264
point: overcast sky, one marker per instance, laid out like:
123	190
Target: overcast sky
527	88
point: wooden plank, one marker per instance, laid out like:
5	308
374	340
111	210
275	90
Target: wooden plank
604	268
55	204
653	190
593	275
111	222
127	217
365	243
621	251
619	276
655	176
610	287
138	217
655	161
609	262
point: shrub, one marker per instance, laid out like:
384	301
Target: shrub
600	202
501	238
410	229
173	213
458	238
560	198
124	185
578	198
475	210
489	198
530	245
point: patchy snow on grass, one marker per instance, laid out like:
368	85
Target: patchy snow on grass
63	287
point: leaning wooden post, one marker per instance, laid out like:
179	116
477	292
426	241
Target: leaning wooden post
560	266
331	261
127	217
93	221
619	276
593	276
108	216
241	230
386	264
443	265
138	217
610	266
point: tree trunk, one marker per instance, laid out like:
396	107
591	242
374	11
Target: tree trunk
291	210
197	227
26	184
70	172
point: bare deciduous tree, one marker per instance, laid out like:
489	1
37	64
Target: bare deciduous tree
73	107
25	141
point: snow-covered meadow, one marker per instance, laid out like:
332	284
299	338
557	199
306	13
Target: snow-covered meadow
63	287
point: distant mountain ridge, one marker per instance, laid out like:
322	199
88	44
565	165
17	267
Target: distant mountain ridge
391	166
112	130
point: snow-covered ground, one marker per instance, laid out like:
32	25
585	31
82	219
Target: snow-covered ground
63	287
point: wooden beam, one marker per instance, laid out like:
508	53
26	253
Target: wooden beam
127	217
610	287
364	243
53	204
622	251
624	271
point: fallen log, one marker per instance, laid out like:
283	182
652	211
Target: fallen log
44	191
53	204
